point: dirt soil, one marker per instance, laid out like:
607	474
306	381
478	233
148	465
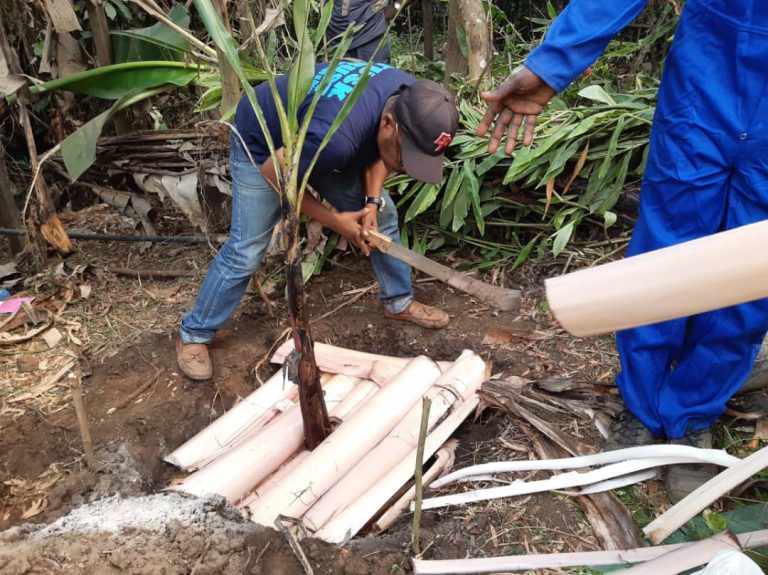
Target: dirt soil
58	516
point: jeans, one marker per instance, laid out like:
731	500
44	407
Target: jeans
255	213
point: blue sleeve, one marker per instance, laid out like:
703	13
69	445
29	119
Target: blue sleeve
578	36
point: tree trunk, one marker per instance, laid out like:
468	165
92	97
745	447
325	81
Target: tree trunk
426	16
9	212
313	410
470	17
102	44
100	32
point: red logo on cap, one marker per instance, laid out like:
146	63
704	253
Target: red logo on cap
442	142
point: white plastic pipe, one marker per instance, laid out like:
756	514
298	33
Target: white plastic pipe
709	273
347	445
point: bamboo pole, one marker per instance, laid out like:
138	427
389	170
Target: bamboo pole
458	383
244	418
347	445
418	477
709	273
239	470
356	514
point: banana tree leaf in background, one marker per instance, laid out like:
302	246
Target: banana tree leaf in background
115	81
211	98
79	148
157	42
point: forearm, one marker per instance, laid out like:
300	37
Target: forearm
314	209
578	36
374	176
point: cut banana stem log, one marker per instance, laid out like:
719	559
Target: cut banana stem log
459	382
359	395
347	445
356	514
349	362
443	461
252	413
275	478
709	273
239	470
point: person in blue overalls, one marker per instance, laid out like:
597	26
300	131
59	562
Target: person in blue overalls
707	171
398	124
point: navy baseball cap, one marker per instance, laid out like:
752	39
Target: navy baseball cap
426	113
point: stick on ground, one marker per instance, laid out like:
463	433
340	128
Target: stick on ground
82	419
426	403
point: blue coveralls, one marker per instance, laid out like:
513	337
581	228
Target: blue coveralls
707	171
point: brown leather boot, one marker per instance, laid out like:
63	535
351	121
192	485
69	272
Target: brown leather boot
422	315
194	360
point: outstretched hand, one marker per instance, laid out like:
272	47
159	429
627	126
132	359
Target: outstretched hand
517	101
350	226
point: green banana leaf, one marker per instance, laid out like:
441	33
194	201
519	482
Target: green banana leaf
157	42
115	81
79	148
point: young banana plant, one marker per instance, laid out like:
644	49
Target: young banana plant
291	188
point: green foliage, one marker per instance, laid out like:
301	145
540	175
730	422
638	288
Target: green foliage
115	81
581	159
156	42
79	148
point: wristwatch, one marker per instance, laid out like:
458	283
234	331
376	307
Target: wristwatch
374	200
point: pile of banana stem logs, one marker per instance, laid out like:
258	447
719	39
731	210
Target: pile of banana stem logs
361	474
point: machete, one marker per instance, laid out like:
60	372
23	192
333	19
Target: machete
502	298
